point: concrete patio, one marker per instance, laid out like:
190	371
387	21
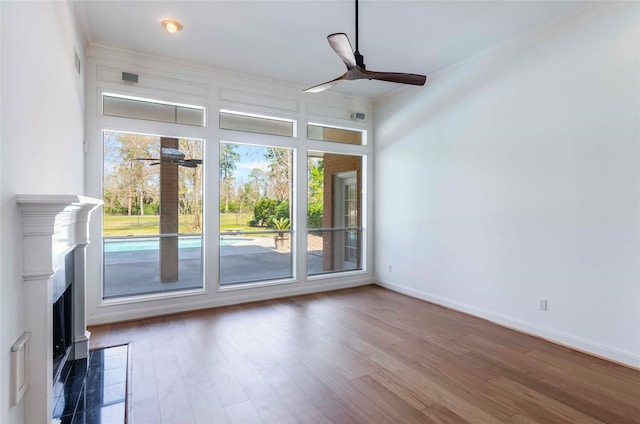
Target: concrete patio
134	272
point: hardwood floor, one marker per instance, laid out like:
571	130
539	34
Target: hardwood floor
365	355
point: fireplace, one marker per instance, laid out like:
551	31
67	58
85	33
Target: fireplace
55	235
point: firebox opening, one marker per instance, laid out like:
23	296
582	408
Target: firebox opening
63	314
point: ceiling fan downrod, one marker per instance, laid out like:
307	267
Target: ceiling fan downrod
359	57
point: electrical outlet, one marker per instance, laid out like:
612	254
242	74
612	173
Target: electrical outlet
390	268
543	304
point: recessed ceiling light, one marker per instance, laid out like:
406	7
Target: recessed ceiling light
171	25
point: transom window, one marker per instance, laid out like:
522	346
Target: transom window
230	120
335	134
151	110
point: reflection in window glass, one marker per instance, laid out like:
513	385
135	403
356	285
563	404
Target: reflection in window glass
256	124
255	213
125	107
337	135
334	216
152	215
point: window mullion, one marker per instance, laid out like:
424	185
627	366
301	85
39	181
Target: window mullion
300	172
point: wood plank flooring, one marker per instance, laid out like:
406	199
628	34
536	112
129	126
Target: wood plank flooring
365	355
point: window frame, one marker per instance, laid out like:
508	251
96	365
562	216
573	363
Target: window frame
158	294
292	231
213	95
363	269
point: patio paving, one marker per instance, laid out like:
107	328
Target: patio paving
137	272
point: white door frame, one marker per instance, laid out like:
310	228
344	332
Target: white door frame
341	180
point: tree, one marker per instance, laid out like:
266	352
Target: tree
279	172
190	184
132	185
258	182
128	182
228	159
315	192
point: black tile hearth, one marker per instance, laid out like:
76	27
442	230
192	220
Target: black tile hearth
93	390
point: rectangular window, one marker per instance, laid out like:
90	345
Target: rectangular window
336	135
152	215
129	107
255	213
334	217
256	124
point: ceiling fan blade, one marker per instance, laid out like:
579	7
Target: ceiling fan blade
402	78
325	85
190	163
340	44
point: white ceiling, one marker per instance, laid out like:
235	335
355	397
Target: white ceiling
286	40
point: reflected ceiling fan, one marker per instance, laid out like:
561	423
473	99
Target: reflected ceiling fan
356	69
174	156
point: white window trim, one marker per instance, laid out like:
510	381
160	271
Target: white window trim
99	311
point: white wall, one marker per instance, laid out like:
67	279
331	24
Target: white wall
3	371
517	179
41	150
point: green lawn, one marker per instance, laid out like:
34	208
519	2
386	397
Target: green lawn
233	220
123	225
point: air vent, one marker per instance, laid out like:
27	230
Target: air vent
129	78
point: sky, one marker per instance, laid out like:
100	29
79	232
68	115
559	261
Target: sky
250	157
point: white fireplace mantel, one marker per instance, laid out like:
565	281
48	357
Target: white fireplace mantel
53	225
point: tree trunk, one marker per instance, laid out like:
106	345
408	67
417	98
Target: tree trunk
196	200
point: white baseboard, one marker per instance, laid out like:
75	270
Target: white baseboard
568	340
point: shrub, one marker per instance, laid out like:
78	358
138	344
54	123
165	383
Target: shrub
282	210
264	211
314	215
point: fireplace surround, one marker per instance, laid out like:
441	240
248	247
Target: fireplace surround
55	234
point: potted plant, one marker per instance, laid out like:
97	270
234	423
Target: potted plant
281	238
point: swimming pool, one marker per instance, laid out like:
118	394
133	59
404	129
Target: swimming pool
154	243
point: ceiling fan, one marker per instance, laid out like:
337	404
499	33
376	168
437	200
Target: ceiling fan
174	156
356	69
